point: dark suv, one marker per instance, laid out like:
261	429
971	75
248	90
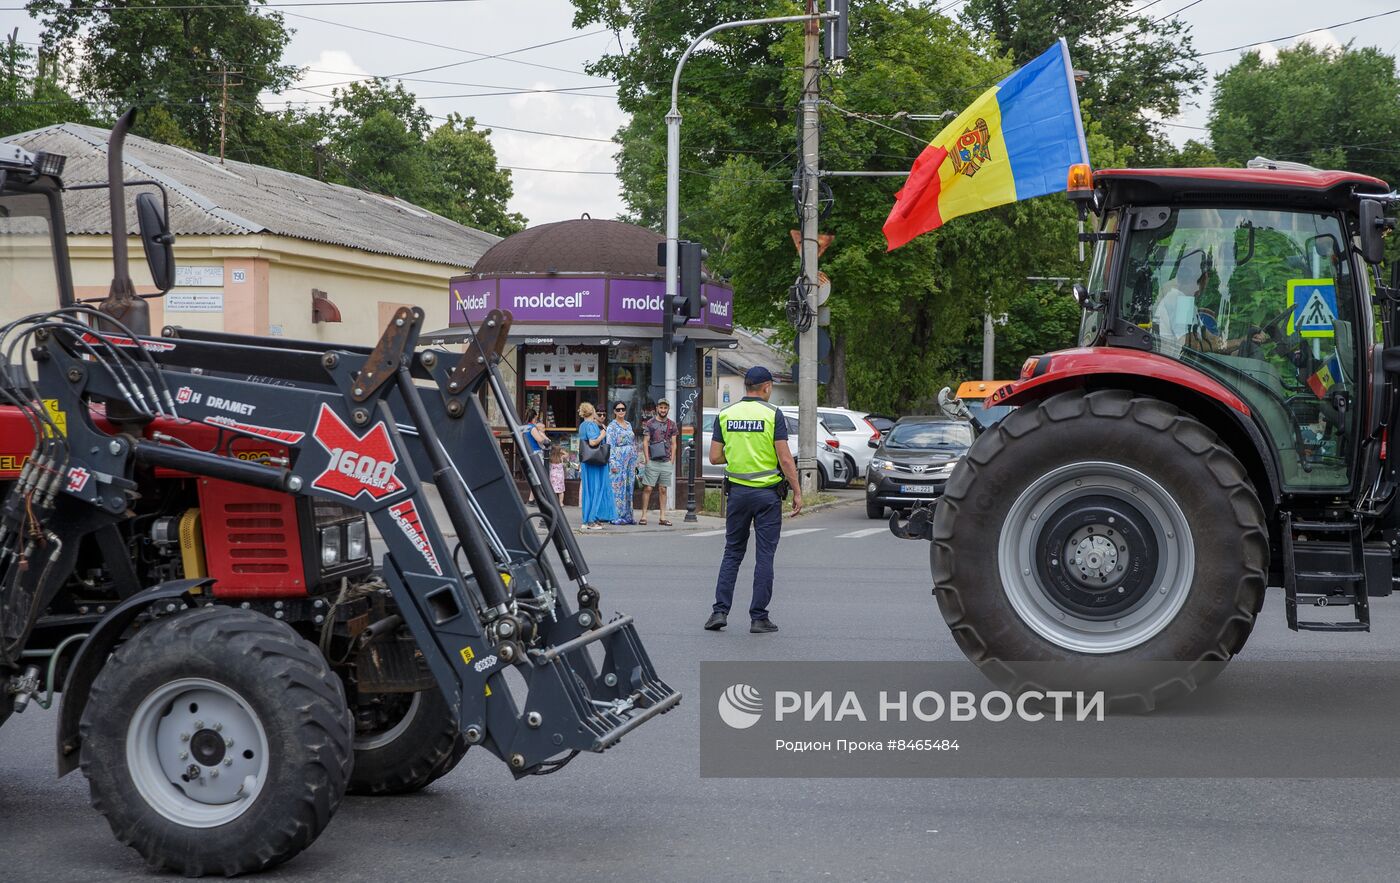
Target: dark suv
913	461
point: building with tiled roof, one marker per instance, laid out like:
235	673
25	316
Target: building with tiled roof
260	250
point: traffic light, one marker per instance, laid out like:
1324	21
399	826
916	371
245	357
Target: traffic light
690	302
835	31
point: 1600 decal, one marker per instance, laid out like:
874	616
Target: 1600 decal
359	464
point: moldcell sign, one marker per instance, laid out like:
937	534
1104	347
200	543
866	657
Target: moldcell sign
471	300
552	299
567	300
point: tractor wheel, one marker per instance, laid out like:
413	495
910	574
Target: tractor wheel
216	742
403	741
1122	532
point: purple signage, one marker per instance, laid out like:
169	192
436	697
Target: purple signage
552	299
470	299
719	310
636	301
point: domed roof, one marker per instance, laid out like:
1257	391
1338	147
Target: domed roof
583	245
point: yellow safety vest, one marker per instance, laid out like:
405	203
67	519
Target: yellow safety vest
747	428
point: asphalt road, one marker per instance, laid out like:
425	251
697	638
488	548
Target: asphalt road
641	811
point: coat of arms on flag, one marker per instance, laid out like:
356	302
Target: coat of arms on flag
1326	377
973	149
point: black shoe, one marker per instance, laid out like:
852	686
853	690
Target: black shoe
759	626
716	622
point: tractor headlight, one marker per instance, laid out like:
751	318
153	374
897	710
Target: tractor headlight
331	546
356	541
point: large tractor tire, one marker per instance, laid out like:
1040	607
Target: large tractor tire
1102	530
216	741
408	742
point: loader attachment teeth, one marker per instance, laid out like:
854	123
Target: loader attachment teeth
918	527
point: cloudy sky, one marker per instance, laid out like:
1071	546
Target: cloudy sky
562	177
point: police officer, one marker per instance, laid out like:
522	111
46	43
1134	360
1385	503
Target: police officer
750	439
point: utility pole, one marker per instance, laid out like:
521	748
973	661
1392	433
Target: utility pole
807	346
223	112
989	345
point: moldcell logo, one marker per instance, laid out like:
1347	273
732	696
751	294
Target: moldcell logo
547	301
741	706
719	308
645	302
472	301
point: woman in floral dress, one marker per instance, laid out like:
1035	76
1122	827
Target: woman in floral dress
622	463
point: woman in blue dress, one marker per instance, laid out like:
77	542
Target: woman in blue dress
595	492
622	461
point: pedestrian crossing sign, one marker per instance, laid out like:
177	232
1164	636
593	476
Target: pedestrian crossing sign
1313	305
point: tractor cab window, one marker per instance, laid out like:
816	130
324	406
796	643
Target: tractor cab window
27	270
1097	284
1263	301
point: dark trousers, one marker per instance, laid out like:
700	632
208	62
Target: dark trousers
763	508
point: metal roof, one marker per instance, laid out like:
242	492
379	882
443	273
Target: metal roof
756	348
208	198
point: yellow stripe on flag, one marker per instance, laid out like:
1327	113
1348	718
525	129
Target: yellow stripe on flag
980	177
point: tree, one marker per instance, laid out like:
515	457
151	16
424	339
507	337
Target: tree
1329	108
1140	66
464	182
379	138
31	95
901	318
181	57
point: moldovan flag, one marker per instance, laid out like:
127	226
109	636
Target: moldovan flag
1016	141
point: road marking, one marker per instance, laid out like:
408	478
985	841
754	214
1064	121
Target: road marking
802	530
856	534
708	533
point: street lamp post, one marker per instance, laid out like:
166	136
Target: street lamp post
673	175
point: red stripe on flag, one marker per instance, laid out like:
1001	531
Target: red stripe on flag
916	204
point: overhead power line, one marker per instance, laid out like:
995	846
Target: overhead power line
1340	24
252	7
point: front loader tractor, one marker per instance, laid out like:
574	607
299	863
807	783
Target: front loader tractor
261	572
1222	427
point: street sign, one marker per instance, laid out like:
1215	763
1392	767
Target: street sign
1314	307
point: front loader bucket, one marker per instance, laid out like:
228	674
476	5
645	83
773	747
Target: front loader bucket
581	708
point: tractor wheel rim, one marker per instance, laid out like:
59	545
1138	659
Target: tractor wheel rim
379	738
197	752
1096	557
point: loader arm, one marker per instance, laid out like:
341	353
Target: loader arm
372	445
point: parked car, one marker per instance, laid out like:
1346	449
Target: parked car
853	430
883	423
833	469
913	462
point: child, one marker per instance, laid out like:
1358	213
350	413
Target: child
556	471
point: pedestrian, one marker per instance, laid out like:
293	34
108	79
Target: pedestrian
750	440
595	492
535	440
661	437
622	461
556	472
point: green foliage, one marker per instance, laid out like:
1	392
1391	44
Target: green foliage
910	320
177	58
1333	109
31	95
1139	66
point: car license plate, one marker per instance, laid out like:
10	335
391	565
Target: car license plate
921	489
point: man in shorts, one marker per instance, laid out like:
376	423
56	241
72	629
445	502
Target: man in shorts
661	437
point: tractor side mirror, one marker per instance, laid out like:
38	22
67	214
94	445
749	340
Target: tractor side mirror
1372	228
157	240
1081	294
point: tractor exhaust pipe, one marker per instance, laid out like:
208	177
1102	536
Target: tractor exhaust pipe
122	303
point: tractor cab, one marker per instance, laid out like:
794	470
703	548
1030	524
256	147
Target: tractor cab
33	249
1249	278
1221	427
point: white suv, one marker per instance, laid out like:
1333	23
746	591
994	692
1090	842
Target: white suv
851	430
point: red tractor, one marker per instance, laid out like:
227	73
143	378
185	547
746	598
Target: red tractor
1222	427
186	558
